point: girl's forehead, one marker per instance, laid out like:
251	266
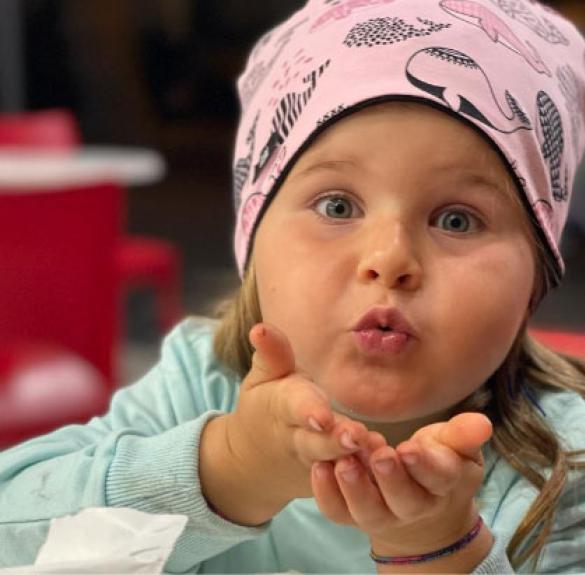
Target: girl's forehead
403	130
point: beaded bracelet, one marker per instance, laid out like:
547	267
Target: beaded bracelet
414	559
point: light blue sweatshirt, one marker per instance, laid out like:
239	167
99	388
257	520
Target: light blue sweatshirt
144	454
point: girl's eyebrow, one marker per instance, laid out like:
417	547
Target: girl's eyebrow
326	165
459	173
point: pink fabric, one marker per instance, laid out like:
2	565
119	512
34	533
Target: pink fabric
512	68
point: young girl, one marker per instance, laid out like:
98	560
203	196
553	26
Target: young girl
371	399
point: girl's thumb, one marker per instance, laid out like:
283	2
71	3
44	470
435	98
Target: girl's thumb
273	358
466	433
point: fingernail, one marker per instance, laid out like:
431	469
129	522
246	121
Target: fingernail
350	475
409	458
315	424
320	470
384	466
347	441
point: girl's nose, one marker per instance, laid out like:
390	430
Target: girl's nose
390	258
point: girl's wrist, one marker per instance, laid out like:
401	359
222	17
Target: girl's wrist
450	553
231	488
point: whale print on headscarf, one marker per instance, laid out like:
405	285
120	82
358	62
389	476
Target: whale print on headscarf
432	70
384	31
552	143
542	27
478	15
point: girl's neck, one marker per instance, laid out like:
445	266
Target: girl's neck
397	431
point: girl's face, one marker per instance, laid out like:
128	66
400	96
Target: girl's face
396	208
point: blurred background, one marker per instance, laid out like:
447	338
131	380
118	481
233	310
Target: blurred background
159	75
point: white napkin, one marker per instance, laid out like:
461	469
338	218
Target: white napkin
106	540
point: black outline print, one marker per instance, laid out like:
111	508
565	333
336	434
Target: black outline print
242	167
389	30
288	111
552	145
331	114
432	70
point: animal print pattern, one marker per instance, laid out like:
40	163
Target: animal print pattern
243	165
285	117
496	29
573	93
331	114
290	71
431	70
383	31
541	26
260	70
552	143
341	9
517	110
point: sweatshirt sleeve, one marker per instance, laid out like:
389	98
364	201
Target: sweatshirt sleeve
496	562
142	454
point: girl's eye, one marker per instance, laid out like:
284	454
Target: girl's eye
458	221
336	207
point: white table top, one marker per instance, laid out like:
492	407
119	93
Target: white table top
37	169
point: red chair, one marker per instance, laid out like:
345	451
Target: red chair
59	316
571	343
48	128
141	260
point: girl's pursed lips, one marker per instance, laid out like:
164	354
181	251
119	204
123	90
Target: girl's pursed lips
384	319
383	331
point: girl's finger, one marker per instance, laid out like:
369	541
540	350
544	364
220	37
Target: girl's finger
374	442
435	467
466	433
362	497
328	495
273	357
347	437
300	403
403	495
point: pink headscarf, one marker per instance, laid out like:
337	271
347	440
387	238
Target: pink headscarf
513	69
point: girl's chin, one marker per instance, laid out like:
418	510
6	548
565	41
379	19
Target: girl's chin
385	401
375	410
362	414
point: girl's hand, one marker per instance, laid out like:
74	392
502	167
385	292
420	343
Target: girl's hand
282	424
420	496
